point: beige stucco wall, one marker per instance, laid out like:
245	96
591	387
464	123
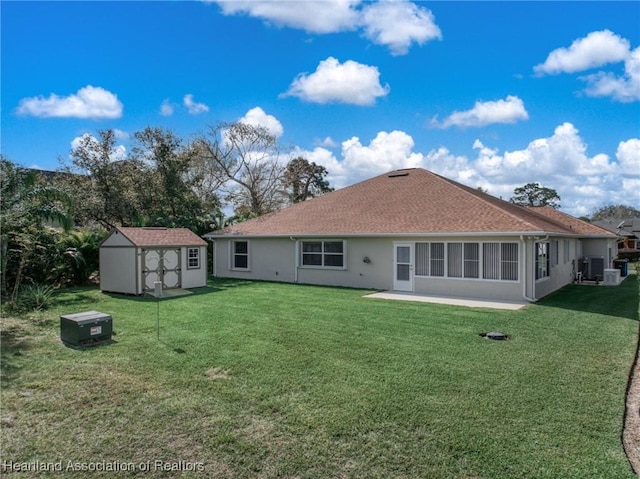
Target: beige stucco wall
560	274
274	259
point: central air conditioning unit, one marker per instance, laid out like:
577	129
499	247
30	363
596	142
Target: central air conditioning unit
592	267
612	277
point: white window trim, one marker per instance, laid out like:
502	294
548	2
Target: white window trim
323	241
232	254
198	257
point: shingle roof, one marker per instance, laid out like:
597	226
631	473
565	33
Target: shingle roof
161	236
574	224
402	202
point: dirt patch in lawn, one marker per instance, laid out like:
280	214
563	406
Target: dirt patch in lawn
217	373
631	432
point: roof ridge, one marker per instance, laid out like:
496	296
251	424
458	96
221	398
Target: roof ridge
491	200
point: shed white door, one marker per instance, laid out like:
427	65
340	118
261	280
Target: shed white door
403	267
163	264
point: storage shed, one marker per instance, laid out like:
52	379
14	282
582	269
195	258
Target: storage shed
133	259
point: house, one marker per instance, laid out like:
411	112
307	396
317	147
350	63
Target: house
628	232
133	259
412	230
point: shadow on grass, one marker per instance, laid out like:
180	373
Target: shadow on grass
620	301
14	341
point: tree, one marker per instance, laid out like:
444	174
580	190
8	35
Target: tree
170	182
304	179
615	213
104	183
26	202
532	194
243	162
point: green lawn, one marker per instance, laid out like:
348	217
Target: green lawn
255	379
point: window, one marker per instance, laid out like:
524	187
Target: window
240	255
324	254
471	260
193	258
542	260
430	259
454	260
500	261
555	252
497	261
509	261
437	259
463	260
422	259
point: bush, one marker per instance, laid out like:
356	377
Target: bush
35	297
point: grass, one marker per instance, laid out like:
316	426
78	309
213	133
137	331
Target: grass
257	379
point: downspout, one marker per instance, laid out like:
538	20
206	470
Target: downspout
524	272
296	259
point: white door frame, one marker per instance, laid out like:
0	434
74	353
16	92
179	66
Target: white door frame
403	274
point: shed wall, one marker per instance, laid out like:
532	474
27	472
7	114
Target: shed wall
118	269
194	278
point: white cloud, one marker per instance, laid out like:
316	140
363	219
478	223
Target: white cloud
120	134
318	16
585	182
119	153
167	107
397	24
592	51
393	23
628	155
257	117
327	142
334	82
88	102
194	108
509	110
623	89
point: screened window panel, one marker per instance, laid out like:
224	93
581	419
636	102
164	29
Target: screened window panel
509	262
437	259
403	254
403	272
542	260
454	260
240	247
491	260
471	260
422	259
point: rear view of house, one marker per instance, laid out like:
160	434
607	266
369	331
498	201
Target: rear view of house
133	259
412	230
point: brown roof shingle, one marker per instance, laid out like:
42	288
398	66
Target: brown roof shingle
161	236
400	202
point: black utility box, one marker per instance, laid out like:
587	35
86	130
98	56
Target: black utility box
86	328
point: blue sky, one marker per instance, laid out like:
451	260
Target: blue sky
491	94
